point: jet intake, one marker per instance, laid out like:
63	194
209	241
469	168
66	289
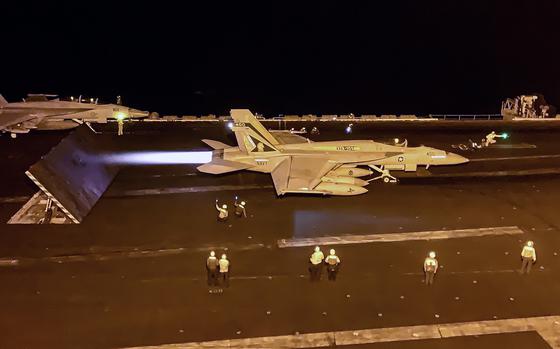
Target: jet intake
350	172
395	167
344	180
410	167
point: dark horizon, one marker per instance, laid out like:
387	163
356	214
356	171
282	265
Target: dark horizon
321	58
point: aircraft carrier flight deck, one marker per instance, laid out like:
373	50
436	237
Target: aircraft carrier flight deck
129	270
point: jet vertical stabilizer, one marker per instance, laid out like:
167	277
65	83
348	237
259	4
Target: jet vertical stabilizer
251	135
3	101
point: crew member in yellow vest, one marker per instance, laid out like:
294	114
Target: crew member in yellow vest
332	262
430	268
224	270
316	261
528	256
222	212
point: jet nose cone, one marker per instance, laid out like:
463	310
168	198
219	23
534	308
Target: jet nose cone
456	159
135	113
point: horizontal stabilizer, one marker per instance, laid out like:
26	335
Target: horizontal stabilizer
218	166
215	144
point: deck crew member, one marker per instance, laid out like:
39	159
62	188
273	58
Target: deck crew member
430	268
240	210
224	270
316	261
332	262
528	256
222	212
212	269
490	138
120	124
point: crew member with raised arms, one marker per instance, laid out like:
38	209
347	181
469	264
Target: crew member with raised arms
222	212
240	210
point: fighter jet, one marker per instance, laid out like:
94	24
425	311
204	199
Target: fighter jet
47	112
328	168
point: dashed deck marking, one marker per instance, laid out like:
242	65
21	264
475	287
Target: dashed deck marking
394	237
548	327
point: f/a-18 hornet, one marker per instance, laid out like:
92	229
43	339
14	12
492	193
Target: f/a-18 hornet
328	168
47	112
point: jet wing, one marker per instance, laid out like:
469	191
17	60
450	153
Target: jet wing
11	118
300	173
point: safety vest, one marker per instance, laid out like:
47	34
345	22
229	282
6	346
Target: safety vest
224	265
528	252
430	264
317	258
223	213
332	260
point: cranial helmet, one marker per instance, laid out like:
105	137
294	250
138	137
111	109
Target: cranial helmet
333	252
432	254
242	203
224	206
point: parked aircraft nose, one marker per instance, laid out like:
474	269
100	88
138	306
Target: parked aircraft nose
135	113
456	159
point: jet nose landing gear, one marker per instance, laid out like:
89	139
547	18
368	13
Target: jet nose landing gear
384	175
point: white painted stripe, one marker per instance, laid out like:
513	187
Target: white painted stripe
547	326
538	171
393	237
8	262
513	146
528	157
36	181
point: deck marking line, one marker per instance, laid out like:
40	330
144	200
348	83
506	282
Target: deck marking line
395	237
548	327
528	157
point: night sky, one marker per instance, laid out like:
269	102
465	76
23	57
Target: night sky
200	57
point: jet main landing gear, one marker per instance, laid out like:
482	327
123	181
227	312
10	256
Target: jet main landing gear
384	175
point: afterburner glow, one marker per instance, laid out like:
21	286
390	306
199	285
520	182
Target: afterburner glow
161	157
